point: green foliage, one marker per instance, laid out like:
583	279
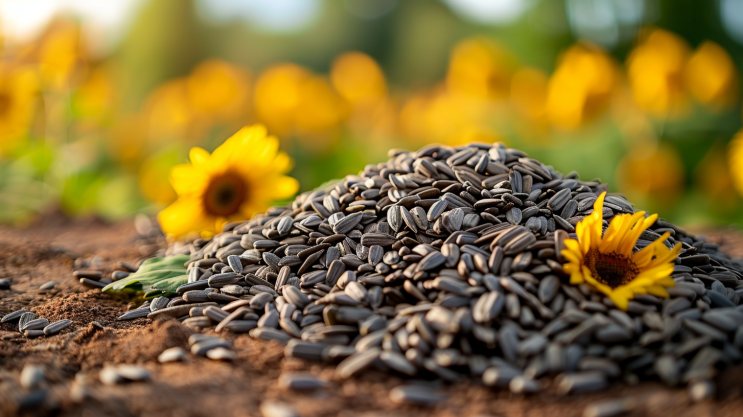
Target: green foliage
164	274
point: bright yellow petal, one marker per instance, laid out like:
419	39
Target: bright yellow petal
199	157
633	232
619	300
184	216
667	282
614	233
583	230
576	278
572	245
658	291
283	163
654	263
572	256
187	180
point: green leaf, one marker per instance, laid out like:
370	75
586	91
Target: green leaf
151	272
169	285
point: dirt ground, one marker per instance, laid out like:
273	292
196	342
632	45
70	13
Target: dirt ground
48	250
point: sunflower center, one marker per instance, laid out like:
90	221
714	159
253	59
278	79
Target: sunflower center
225	194
610	268
4	103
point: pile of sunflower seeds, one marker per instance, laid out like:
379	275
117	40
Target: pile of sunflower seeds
445	263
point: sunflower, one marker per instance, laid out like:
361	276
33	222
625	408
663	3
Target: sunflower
735	159
241	177
18	92
608	263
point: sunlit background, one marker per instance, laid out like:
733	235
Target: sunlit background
99	99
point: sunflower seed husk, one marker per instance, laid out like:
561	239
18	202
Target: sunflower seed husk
34	324
300	382
56	327
13	316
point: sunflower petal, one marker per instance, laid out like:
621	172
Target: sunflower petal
185	215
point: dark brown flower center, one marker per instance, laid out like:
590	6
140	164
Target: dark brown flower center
225	194
610	268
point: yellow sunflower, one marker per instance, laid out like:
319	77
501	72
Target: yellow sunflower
608	263
18	93
240	178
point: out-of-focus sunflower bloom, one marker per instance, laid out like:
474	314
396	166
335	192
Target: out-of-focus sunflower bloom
714	177
96	98
581	87
292	101
170	116
711	76
153	177
480	68
655	69
651	172
412	116
240	178
128	142
277	96
59	51
606	261
735	160
439	116
219	90
529	93
18	93
358	78
320	110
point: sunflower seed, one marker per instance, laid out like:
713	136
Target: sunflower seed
34	324
357	363
110	375
174	354
13	316
134	314
220	354
581	383
235	263
609	408
559	200
159	303
347	223
371	239
436	210
300	382
418	395
56	327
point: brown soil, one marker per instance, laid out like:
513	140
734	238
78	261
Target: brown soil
32	256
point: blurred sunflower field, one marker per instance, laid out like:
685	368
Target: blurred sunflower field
95	112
